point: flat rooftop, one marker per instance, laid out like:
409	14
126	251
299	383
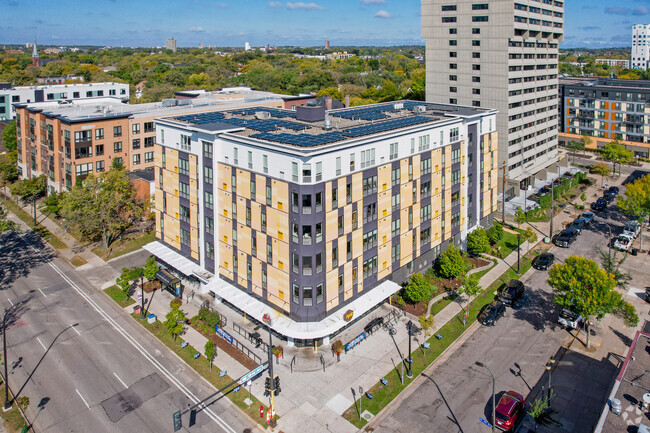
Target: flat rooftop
66	86
102	108
600	82
282	126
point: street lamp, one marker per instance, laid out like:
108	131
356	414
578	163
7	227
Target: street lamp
480	364
518	250
142	295
409	327
549	366
7	404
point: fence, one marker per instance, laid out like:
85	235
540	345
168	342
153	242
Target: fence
254	337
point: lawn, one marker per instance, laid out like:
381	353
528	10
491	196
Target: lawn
77	261
13	419
125	245
442	303
116	294
29	220
422	358
505	246
201	366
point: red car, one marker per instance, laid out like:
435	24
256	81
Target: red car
509	410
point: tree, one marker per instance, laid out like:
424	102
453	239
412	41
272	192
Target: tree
117	164
150	268
617	154
175	322
426	323
9	139
495	233
637	200
470	287
602	170
5	224
520	216
451	263
529	235
612	264
102	207
541	411
8	172
477	241
209	351
576	146
123	282
30	189
52	203
580	285
417	289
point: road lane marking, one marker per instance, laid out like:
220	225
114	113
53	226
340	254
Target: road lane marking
12	304
82	398
121	381
39	340
44	295
136	344
75	330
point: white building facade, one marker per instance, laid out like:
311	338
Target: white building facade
640	46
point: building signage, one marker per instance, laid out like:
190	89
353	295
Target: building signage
267	319
224	334
348	315
356	341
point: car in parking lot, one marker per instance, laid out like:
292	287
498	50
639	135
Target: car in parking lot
614	190
576	225
600	204
491	312
565	238
623	242
609	197
587	217
570	319
632	228
544	261
512	292
509	410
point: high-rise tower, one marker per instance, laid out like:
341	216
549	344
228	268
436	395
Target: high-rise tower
35	58
640	46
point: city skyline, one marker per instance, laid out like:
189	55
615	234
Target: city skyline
225	23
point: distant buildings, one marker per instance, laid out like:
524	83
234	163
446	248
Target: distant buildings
60	92
331	56
625	64
640	46
171	44
327	44
247	46
502	55
606	109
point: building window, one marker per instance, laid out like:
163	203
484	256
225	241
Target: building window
99	166
207	149
136	143
99	149
136	159
149	127
319	293
148	141
448	19
148	157
393	150
208	174
185	237
370	267
294	171
135	128
250	159
184	213
307	300
209	250
209	200
117	147
296	294
99	134
265	162
184	190
480	19
447	8
184	166
83	169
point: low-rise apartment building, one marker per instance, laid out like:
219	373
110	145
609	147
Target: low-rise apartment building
68	141
606	109
308	219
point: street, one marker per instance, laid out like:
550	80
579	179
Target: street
105	374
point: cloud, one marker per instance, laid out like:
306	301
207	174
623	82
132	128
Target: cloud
373	2
275	4
305	6
639	10
222	5
198	29
383	14
589	28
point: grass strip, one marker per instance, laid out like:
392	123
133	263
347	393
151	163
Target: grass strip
116	294
423	358
13	419
29	220
202	367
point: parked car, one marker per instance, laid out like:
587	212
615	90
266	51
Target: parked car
609	197
632	228
544	190
587	217
509	410
576	225
491	312
544	261
512	292
565	238
623	242
614	190
600	204
570	319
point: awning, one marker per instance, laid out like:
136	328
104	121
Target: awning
166	277
177	261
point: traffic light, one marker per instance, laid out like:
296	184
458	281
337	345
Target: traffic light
277	385
178	424
192	417
267	386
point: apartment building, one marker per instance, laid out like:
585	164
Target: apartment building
501	54
623	63
10	95
308	219
68	141
640	58
606	109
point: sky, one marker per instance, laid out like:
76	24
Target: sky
231	23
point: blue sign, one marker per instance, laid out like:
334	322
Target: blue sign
236	389
223	373
224	334
356	341
196	355
251	374
426	345
485	422
369	396
384	381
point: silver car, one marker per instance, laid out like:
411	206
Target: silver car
570	319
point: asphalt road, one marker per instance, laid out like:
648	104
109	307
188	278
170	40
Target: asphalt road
454	394
106	374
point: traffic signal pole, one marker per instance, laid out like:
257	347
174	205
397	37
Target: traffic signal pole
272	391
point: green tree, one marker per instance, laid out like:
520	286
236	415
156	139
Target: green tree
470	287
9	139
529	235
209	352
495	233
417	288
617	154
580	285
175	322
637	200
520	217
52	203
612	264
102	207
477	241
123	282
117	164
451	263
541	411
426	323
8	172
30	190
602	170
5	224
150	268
575	146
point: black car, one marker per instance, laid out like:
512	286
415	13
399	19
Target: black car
609	196
490	313
565	238
601	204
576	225
543	261
512	292
614	190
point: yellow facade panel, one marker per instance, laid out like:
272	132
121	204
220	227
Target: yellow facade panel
357	187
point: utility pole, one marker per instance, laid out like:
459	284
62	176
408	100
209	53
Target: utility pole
503	196
7	404
142	317
552	213
272	391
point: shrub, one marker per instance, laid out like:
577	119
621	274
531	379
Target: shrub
417	289
399	301
477	241
337	347
175	303
209	318
495	233
451	263
545	202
